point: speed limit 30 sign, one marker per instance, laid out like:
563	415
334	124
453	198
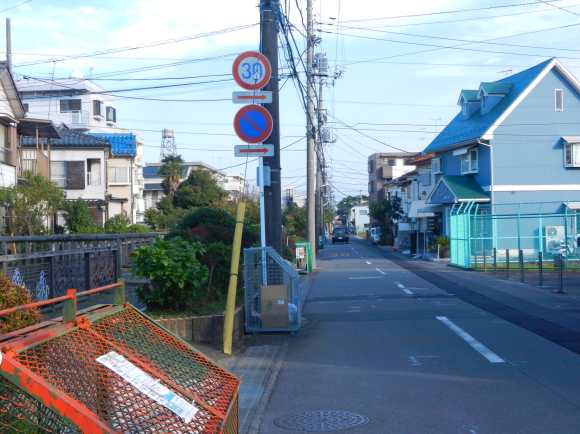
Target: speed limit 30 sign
252	70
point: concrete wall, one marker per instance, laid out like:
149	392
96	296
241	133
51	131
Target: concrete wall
207	329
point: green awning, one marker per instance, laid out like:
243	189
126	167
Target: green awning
454	189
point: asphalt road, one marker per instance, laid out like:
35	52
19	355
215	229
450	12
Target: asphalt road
415	350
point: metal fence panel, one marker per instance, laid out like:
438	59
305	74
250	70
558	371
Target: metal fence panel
273	290
73	392
547	228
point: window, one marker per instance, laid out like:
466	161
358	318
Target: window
371	187
391	162
370	166
93	171
483	102
558	100
436	165
69	105
58	173
25	106
118	174
98	108
111	114
572	154
363	212
469	161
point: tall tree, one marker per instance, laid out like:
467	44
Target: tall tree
32	203
199	189
346	203
386	211
173	171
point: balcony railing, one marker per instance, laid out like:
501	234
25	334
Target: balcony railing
60	182
5	155
79	118
93	178
34	161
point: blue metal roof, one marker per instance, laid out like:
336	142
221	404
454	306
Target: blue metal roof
461	130
122	144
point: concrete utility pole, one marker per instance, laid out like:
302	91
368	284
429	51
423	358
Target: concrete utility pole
8	45
310	136
272	193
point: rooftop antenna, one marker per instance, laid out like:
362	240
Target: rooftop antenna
507	72
168	146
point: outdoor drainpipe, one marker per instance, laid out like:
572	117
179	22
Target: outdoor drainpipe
479	142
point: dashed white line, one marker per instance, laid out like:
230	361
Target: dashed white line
474	343
382	272
362	278
405	290
368	262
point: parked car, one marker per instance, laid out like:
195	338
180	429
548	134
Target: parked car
375	235
340	234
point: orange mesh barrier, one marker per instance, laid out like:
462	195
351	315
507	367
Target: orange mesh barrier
57	374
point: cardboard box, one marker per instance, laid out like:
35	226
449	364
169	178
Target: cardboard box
274	303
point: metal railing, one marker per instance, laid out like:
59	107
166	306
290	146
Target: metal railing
47	266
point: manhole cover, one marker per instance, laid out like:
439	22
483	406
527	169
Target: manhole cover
321	421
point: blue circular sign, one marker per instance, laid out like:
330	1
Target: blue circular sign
253	123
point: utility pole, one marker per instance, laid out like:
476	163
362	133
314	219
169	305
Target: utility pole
8	45
310	137
273	192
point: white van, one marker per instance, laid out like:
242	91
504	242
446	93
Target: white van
375	235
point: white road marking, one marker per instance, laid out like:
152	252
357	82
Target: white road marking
362	278
368	262
382	272
405	290
415	359
474	343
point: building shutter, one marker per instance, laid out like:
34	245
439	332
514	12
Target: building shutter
75	175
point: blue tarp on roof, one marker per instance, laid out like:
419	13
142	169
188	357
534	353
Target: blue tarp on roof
122	144
462	130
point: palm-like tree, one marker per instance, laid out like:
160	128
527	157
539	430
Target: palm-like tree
173	170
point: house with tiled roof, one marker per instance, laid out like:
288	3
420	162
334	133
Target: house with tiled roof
125	180
515	140
78	165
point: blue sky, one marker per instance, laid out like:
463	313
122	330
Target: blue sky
403	67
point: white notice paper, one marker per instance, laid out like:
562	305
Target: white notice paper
144	383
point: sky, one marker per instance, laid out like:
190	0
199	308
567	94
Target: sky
400	67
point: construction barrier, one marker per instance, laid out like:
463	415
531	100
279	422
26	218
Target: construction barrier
110	369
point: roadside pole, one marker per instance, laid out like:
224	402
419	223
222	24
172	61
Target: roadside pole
310	137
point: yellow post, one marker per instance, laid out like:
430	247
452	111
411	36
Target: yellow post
231	301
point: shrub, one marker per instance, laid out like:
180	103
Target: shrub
12	295
118	224
217	258
138	229
207	216
175	274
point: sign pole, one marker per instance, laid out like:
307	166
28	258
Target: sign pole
262	209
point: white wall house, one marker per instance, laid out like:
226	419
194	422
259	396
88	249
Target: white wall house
78	164
153	192
85	107
11	110
76	101
359	214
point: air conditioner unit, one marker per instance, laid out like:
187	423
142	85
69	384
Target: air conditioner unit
553	244
554	231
